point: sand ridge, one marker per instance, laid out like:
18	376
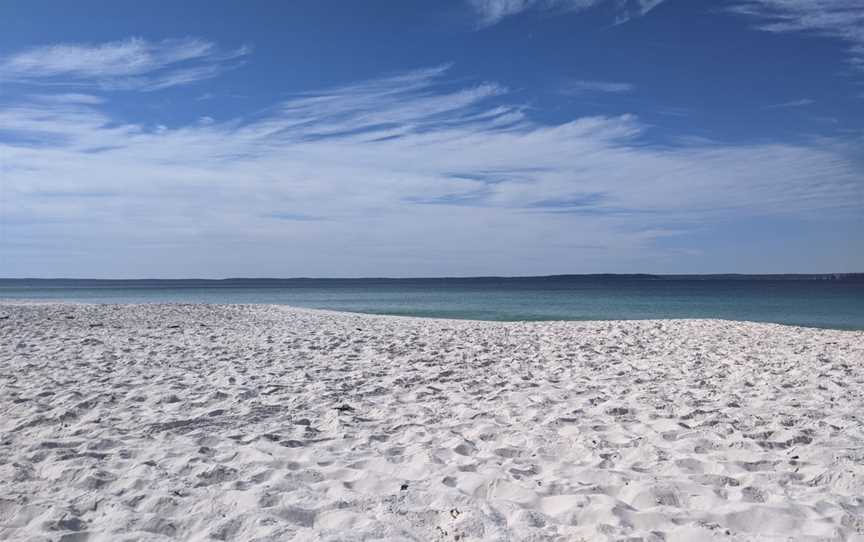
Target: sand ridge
253	422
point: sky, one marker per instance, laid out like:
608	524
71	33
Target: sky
416	138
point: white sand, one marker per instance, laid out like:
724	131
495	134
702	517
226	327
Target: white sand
269	423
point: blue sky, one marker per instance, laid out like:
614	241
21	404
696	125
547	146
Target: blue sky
409	138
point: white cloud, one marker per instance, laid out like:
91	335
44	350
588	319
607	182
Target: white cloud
403	174
69	98
839	19
804	102
629	9
491	12
583	86
132	64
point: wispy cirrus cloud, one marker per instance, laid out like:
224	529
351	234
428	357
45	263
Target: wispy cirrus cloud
839	19
804	102
355	178
69	98
582	86
491	12
132	64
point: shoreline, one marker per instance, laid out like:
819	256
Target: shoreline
60	302
270	422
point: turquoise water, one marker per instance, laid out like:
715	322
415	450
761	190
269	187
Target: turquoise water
798	300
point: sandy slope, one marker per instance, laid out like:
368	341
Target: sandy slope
269	423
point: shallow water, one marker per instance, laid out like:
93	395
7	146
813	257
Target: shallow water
798	300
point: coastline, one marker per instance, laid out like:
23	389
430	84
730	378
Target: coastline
298	308
793	300
269	422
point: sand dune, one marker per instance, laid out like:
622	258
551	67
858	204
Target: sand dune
269	423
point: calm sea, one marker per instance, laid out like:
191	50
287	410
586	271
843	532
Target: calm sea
834	301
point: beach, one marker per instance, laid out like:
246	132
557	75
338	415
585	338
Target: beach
265	422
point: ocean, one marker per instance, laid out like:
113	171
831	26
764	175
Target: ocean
828	301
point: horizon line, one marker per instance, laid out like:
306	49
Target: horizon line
453	277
